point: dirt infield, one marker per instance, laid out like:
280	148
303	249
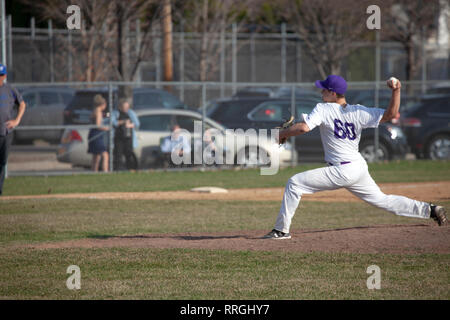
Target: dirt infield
428	191
417	238
405	239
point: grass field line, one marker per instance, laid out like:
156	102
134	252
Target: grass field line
424	191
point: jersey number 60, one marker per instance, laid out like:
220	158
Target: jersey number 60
346	130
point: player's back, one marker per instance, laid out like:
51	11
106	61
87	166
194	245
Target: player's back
340	128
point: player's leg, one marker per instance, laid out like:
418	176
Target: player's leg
366	189
307	182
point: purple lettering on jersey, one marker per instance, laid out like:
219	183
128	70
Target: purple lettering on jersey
342	131
339	131
350	128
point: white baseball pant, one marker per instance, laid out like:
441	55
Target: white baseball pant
354	177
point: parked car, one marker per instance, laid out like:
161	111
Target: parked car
276	92
427	128
79	110
45	106
155	124
440	88
268	113
367	98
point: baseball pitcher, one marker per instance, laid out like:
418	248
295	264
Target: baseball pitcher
340	126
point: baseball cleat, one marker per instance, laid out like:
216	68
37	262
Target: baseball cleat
438	214
275	234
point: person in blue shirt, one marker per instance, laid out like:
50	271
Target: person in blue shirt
175	145
125	122
9	97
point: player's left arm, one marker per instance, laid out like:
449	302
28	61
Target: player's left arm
394	105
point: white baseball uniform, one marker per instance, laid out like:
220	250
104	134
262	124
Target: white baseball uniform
340	131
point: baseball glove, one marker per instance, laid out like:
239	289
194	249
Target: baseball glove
285	125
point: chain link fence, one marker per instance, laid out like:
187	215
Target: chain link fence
60	129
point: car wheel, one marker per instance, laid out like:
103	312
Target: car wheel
367	150
438	148
249	158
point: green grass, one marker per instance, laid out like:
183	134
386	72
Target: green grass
125	273
141	273
64	219
400	171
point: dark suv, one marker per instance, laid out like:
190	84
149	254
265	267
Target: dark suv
267	113
79	109
427	127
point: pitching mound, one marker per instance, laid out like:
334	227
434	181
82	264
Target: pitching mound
412	239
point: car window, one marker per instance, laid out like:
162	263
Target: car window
170	101
144	100
85	100
66	97
48	98
232	110
280	111
30	99
439	106
155	122
186	122
269	111
305	106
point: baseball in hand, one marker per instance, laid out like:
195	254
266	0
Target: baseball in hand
393	82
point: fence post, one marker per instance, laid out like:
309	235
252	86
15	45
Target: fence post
222	61
138	48
9	55
298	60
182	59
292	140
69	56
157	55
424	61
111	141
3	13
252	57
50	42
377	87
33	58
283	52
203	120
234	59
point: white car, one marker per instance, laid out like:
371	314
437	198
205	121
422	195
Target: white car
155	125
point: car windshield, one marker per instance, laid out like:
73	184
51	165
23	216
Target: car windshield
232	110
84	100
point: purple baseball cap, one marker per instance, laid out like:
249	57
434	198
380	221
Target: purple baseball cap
333	83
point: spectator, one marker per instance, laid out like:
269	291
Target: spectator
9	97
97	136
175	145
125	122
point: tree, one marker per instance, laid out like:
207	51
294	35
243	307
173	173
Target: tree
328	29
91	64
106	36
409	22
210	18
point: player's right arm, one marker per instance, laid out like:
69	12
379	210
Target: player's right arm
294	130
394	104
